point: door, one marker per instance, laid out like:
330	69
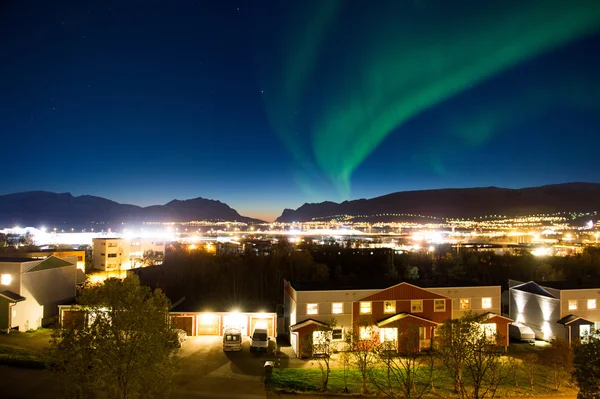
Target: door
208	324
184	323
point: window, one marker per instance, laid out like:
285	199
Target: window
102	254
486	303
572	304
584	331
465	304
112	244
337	308
416	306
6	279
439	305
337	334
112	255
312	308
365	308
79	258
591	304
389	307
489	329
388	334
365	333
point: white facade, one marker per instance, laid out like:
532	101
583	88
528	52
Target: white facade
113	254
477	300
44	284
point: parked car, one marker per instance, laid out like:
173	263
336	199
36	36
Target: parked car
232	340
259	340
177	338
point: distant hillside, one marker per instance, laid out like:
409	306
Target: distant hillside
464	202
37	208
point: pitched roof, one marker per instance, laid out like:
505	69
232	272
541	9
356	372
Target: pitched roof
51	262
403	291
401	316
11	296
571	319
533	288
307	322
491	315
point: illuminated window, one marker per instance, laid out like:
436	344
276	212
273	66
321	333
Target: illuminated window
388	334
416	306
439	305
365	308
486	303
337	308
465	304
591	304
572	304
6	279
312	308
389	307
365	333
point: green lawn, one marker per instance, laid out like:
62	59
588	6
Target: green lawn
26	350
309	380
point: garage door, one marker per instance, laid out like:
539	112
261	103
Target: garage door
262	322
72	319
236	321
208	325
184	323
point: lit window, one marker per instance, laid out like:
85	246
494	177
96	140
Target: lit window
388	334
312	308
416	306
591	304
439	305
365	308
389	307
486	303
6	279
572	304
337	308
365	333
465	304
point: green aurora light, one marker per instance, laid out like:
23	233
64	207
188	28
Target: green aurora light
373	72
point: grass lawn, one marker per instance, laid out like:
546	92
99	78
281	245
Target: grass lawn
309	380
24	349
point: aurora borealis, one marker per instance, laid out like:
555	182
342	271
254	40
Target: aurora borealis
356	74
269	104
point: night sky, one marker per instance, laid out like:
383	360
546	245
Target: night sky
265	105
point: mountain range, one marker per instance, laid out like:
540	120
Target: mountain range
458	203
36	208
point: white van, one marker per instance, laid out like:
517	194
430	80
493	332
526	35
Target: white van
232	340
260	339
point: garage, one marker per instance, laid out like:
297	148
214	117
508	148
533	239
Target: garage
236	320
209	324
185	323
263	322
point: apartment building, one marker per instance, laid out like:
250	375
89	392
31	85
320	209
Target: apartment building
562	310
32	289
113	254
387	311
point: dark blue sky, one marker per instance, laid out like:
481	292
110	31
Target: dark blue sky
144	102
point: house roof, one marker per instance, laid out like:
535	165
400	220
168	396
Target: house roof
491	315
403	291
307	322
580	283
533	288
401	316
571	319
16	259
11	296
51	262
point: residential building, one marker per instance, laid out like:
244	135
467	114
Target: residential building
387	311
114	254
561	310
43	254
32	289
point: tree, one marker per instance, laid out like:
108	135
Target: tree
361	343
152	258
124	350
587	367
557	359
469	351
530	366
322	345
409	369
